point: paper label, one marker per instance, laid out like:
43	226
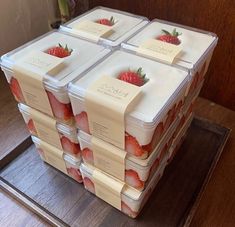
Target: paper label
29	72
106	101
109	158
160	50
46	128
92	30
54	157
108	188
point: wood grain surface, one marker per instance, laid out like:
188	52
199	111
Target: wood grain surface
217	206
169	204
14	214
217	16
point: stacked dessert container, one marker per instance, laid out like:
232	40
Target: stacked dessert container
53	87
149	126
121	25
45	105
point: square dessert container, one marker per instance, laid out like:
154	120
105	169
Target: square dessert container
138	172
123	25
70	165
67	135
54	83
162	97
132	201
196	45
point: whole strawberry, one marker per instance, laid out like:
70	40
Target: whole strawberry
105	21
137	78
170	37
59	51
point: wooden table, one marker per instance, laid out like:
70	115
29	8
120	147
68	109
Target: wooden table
217	202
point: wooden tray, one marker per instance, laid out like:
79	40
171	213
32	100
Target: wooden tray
63	202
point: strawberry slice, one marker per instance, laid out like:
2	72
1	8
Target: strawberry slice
69	146
75	174
89	185
132	179
31	127
16	90
60	110
137	78
154	166
87	155
127	210
170	37
202	72
157	134
170	117
178	108
82	122
105	21
59	51
132	147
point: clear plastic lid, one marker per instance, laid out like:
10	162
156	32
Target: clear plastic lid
164	83
123	24
62	128
128	191
79	60
68	158
195	43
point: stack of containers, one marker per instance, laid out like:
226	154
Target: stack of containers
39	73
125	145
149	126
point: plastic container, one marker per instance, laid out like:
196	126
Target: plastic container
124	25
72	165
132	201
65	136
179	135
197	47
137	172
54	83
161	102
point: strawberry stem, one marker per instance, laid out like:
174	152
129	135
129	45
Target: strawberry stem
111	20
174	32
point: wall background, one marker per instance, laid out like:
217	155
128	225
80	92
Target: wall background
217	16
23	20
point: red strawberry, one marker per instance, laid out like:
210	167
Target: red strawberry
105	21
60	110
127	210
178	108
137	78
69	146
31	127
75	174
132	146
170	37
157	134
170	117
163	152
16	90
82	122
89	185
59	51
202	72
132	179
154	166
87	155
